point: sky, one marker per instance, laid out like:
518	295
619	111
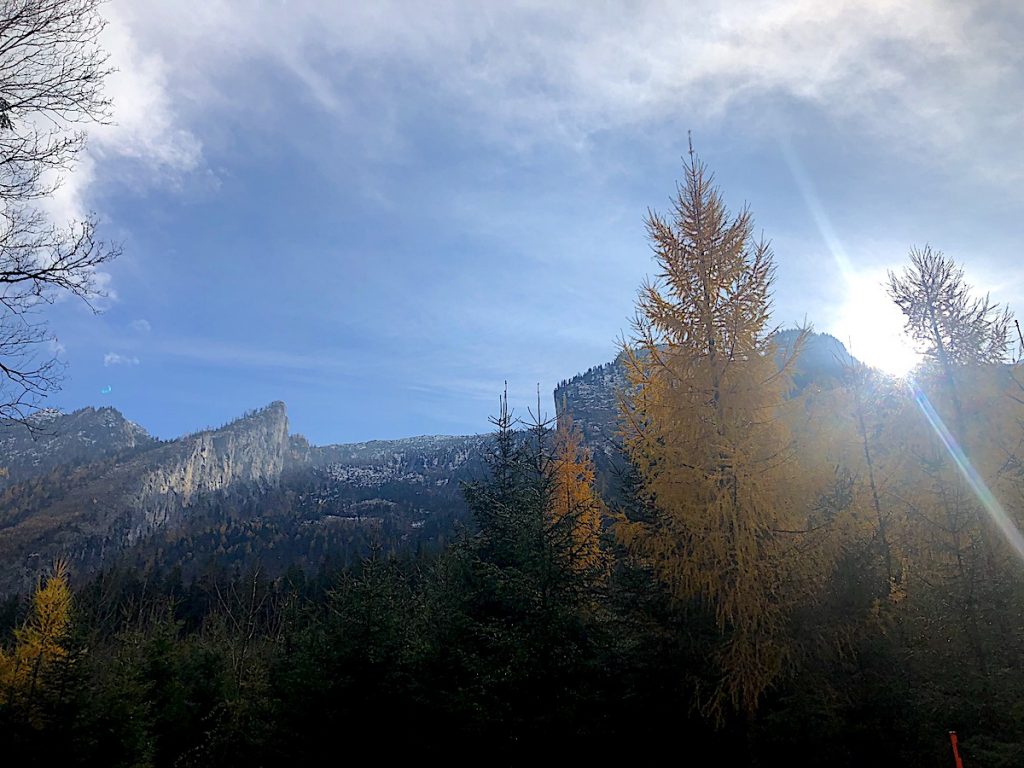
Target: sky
380	213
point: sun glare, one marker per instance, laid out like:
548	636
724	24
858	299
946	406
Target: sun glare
868	322
871	326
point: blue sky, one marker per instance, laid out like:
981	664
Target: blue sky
378	213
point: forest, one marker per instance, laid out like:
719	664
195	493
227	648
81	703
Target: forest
819	575
766	568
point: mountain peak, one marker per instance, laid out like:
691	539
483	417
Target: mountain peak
53	438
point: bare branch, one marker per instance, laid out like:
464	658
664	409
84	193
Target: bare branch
51	78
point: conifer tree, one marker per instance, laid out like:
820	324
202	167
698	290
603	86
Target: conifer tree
41	643
576	510
701	426
962	336
952	326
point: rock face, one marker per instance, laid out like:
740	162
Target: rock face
96	510
101	496
592	399
247	456
422	475
427	460
823	360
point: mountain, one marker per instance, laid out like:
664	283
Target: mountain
51	439
427	460
107	492
104	502
822	361
592	400
96	488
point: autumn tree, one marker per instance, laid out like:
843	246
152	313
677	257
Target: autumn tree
963	430
51	79
40	645
576	511
702	426
952	325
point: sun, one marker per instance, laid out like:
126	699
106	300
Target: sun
871	326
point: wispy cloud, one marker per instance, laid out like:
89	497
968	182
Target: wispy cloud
233	355
937	72
114	358
141	326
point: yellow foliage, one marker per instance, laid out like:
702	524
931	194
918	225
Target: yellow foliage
576	510
40	643
952	541
943	565
704	426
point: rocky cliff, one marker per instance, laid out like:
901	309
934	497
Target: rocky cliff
430	459
592	397
246	456
250	478
93	511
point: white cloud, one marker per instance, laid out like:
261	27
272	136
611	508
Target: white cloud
113	358
141	325
935	74
228	354
145	127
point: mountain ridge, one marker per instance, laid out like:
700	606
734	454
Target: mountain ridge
94	486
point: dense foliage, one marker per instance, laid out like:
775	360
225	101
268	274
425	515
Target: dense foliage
504	647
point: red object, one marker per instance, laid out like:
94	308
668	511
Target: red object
956	751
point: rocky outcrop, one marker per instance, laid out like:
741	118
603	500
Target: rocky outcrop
419	460
592	399
246	456
823	360
98	510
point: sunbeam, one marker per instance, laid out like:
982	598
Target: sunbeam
867	320
988	500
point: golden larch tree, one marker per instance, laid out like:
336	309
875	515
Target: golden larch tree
41	643
702	426
576	510
962	422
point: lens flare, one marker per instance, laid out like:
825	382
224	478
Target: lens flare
106	390
867	320
988	501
